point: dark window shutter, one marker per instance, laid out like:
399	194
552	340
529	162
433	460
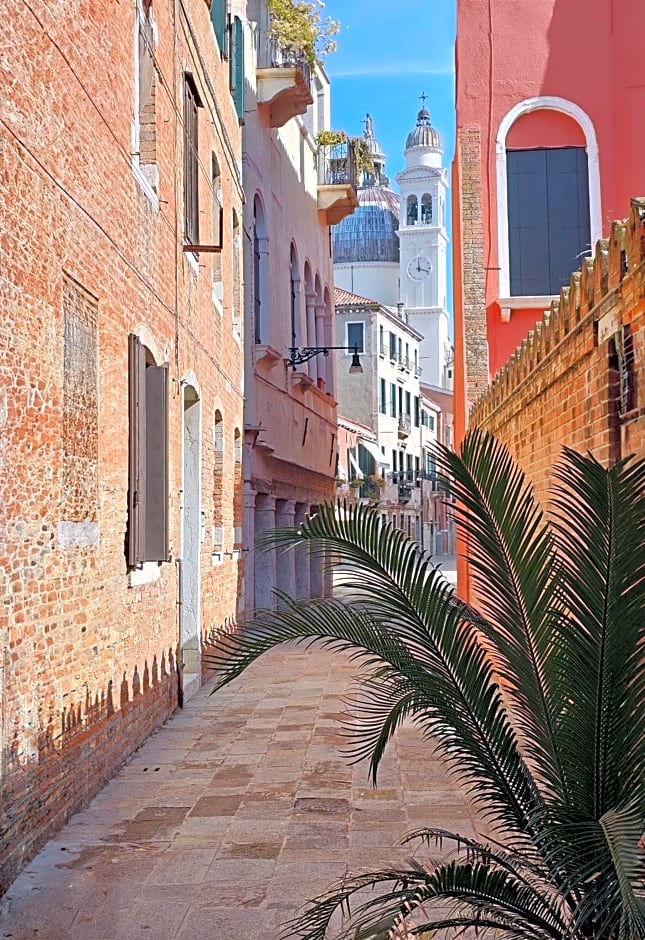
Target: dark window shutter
218	19
257	298
528	222
237	65
568	206
156	463
136	452
191	164
416	411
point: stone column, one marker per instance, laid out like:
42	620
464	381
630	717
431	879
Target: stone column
248	592
311	334
285	516
265	558
301	558
330	361
316	561
321	340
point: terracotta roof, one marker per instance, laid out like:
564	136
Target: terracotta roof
345	297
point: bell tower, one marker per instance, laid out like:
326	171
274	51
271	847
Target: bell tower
423	238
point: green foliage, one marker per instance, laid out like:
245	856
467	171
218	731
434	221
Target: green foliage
299	24
555	761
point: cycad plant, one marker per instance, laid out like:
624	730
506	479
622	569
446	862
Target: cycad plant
534	697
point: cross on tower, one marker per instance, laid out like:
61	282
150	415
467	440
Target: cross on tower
423	97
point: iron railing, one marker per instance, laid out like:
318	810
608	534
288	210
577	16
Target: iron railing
282	56
337	165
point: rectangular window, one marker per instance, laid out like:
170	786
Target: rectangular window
381	337
400	403
392	346
191	162
383	396
148	457
431	422
408	406
394	456
392	400
146	129
354	333
416	411
548	217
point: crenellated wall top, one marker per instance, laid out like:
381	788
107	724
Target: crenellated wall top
615	259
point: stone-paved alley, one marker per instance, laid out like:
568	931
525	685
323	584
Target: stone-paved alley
231	816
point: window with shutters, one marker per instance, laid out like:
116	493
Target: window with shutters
237	66
147	534
383	397
192	104
219	23
392	400
548	217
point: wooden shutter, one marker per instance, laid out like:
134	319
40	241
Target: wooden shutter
528	228
257	299
237	66
218	19
156	519
568	209
136	452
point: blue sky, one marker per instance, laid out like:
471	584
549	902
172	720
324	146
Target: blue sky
388	54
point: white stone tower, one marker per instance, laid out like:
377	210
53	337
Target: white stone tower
423	186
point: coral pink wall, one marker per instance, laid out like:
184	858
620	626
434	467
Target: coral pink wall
588	53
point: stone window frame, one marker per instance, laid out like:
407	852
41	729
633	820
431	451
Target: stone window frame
540	103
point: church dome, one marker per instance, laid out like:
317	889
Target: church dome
424	134
370	233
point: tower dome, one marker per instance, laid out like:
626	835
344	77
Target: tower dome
424	134
370	233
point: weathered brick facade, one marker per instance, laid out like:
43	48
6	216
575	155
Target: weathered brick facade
579	377
94	655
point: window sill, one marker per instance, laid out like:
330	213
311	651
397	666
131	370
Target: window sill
525	302
148	573
266	353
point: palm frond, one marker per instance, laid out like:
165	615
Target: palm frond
513	564
599	524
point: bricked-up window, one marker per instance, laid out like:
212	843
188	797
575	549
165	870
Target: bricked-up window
192	104
146	128
79	502
148	457
548	217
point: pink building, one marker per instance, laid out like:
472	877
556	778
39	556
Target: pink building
549	150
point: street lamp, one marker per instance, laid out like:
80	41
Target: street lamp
298	356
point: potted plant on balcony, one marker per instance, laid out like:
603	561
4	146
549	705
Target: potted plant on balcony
299	25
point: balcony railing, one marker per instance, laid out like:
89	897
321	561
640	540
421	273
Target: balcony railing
337	181
371	491
405	425
284	81
337	165
405	493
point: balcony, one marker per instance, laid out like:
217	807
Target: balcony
405	493
284	82
337	181
405	425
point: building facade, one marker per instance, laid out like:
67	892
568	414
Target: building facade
295	190
548	152
121	388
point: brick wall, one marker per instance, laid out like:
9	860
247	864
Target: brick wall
578	378
92	251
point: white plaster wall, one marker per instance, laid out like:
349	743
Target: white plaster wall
371	279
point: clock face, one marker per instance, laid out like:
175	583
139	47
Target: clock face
419	268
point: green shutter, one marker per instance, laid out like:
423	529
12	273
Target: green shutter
218	19
237	66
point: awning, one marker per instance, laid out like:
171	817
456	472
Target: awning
375	451
357	470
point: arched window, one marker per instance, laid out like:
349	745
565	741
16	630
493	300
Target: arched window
260	273
426	208
217	213
236	303
412	214
548	192
294	276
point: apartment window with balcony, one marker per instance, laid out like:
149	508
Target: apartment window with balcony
383	397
